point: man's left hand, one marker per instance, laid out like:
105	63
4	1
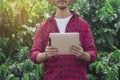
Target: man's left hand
78	51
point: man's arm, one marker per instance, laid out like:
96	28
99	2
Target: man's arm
87	51
38	44
89	45
38	54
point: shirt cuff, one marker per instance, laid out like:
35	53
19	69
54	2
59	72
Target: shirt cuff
33	56
93	56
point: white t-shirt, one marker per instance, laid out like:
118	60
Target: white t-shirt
62	23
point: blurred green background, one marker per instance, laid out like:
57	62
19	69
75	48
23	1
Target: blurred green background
20	18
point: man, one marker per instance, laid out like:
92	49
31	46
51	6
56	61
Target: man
64	67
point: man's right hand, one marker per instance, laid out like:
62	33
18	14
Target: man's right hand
50	51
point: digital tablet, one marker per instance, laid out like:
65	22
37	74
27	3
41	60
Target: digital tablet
63	41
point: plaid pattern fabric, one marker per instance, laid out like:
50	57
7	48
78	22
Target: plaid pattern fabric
64	67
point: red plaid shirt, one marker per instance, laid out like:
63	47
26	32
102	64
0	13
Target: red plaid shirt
64	67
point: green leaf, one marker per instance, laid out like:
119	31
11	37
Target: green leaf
91	77
3	42
26	76
116	55
11	77
3	70
110	39
100	67
2	56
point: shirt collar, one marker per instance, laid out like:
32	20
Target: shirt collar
53	15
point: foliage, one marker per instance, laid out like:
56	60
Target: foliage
19	21
21	68
104	19
107	66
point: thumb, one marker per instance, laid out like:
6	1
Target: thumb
48	43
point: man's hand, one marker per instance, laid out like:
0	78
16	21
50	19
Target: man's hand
79	52
50	51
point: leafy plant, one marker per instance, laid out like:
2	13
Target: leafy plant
3	71
11	77
21	68
104	18
107	66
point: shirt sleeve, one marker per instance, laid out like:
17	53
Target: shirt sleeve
89	45
38	44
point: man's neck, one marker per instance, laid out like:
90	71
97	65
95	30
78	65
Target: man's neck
62	13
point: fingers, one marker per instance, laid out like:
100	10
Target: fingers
50	48
50	54
51	51
76	50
